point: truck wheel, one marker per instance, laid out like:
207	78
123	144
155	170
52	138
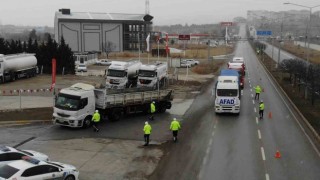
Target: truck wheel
162	108
116	114
87	122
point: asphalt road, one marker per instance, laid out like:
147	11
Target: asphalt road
242	147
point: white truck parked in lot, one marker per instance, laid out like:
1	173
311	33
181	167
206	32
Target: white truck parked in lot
152	75
227	93
122	75
16	66
75	105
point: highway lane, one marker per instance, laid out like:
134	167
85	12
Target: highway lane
275	51
244	147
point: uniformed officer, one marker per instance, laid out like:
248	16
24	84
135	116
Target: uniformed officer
95	120
152	110
258	91
147	131
175	127
261	109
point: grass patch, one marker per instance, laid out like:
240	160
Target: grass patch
208	67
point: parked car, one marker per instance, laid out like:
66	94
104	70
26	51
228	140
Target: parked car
186	64
30	168
190	61
103	62
82	67
9	154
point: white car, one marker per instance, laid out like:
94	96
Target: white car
82	67
10	154
32	169
238	60
103	62
190	61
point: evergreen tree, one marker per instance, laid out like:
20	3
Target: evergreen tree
3	46
13	47
30	47
24	46
19	46
65	58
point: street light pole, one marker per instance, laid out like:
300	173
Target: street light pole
308	38
280	43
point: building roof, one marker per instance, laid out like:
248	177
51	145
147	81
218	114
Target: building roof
100	16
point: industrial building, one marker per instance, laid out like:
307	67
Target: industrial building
102	32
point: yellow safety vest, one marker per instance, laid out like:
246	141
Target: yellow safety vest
153	108
175	125
96	117
147	129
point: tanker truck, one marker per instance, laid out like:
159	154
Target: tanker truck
16	66
121	75
152	75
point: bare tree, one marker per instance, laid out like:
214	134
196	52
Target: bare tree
109	47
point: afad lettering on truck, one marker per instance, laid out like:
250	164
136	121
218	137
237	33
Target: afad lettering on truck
227	101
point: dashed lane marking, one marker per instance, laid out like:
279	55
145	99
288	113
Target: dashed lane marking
257	121
255	110
259	134
267	177
263	155
253	102
252	95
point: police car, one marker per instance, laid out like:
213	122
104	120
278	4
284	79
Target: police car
32	169
9	154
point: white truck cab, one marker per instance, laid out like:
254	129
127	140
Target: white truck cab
151	75
121	75
227	95
74	106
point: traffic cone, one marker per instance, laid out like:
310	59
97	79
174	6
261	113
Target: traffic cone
270	115
278	155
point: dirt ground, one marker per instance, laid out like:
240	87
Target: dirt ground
184	86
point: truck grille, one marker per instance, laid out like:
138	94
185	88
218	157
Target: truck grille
143	81
63	115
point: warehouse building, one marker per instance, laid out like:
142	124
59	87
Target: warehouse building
102	32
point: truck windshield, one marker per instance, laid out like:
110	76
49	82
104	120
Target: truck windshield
116	73
68	102
144	73
227	92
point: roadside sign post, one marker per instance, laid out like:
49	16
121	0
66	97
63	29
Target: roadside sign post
184	37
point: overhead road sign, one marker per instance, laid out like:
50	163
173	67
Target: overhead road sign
226	23
264	33
184	37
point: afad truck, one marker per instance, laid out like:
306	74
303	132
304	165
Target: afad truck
16	66
153	75
75	105
227	92
121	75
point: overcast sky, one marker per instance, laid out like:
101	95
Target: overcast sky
165	12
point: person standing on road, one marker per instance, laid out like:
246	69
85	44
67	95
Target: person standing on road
175	127
147	131
261	109
152	110
95	120
258	91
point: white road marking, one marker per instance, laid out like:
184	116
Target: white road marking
249	82
263	155
267	176
250	85
251	95
259	134
253	102
251	90
241	92
257	121
255	110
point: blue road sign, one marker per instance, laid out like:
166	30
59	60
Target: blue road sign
264	33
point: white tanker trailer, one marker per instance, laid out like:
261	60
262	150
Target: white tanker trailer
16	66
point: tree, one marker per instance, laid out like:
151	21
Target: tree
109	47
65	58
3	46
33	34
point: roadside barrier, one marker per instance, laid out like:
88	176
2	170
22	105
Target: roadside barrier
17	91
